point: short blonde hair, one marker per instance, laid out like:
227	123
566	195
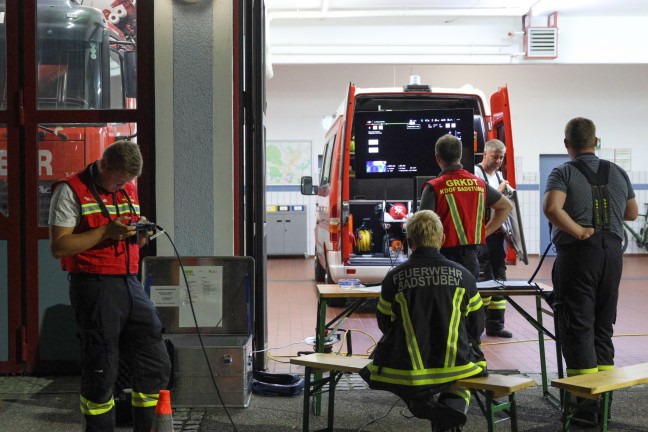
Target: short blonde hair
424	229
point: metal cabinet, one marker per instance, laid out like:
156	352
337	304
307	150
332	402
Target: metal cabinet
286	230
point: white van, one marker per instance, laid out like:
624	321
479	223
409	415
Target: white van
379	153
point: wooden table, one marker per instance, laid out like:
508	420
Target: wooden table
515	288
330	291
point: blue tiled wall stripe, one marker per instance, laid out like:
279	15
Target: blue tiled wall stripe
282	188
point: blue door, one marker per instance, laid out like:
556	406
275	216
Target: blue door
547	163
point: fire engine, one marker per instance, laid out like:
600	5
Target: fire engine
378	154
86	60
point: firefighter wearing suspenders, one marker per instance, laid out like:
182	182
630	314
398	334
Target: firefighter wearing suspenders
492	256
461	199
586	201
89	231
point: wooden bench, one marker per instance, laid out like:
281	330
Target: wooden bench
491	386
598	385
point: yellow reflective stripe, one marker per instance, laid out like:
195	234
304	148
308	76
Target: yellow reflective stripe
486	300
384	307
460	392
605	367
126	208
456	220
497	305
479	220
144	400
410	337
481	363
453	330
475	303
424	376
573	372
92	208
93	408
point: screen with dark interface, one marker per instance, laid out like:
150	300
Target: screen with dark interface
400	144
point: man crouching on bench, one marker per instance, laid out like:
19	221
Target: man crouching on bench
431	317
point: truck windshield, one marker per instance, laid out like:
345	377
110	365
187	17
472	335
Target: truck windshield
69	74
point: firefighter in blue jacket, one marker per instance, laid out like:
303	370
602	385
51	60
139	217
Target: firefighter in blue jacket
431	316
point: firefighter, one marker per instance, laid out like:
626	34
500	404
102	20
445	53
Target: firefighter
89	220
586	200
460	199
431	316
492	256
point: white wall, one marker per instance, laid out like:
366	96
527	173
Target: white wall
424	39
542	99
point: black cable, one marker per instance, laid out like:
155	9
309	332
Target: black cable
193	313
381	417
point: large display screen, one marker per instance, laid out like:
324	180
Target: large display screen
400	144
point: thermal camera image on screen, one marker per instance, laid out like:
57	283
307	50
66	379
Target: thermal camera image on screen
376	166
400	144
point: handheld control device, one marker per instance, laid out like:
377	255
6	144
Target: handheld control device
143	226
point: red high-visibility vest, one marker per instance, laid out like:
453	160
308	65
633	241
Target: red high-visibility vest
460	203
109	256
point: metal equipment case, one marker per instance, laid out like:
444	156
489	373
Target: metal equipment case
221	302
230	358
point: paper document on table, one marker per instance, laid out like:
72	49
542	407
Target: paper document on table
490	284
513	284
370	289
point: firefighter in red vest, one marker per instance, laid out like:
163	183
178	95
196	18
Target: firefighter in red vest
90	231
460	198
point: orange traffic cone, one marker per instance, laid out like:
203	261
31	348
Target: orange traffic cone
162	420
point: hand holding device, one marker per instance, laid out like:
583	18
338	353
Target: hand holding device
143	225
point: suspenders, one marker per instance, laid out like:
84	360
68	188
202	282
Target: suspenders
487	213
599	182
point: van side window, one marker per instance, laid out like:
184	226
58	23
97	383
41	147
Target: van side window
325	175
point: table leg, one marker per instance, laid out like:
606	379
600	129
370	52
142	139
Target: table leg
541	347
320	340
307	396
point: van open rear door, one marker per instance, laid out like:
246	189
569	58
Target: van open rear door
512	227
501	117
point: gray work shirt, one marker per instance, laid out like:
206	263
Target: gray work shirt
579	202
65	210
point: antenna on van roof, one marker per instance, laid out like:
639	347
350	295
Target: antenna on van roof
415	85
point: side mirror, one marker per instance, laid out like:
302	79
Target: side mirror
307	187
130	73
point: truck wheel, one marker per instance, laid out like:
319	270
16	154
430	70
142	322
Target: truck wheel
320	272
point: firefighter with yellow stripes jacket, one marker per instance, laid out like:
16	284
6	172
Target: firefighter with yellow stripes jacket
431	316
460	198
90	232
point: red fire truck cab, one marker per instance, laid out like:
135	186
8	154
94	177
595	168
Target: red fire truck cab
84	63
378	154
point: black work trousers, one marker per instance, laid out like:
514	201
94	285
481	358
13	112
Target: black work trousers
467	256
492	263
586	277
115	318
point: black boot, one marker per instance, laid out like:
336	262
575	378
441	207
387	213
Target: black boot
99	423
143	419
